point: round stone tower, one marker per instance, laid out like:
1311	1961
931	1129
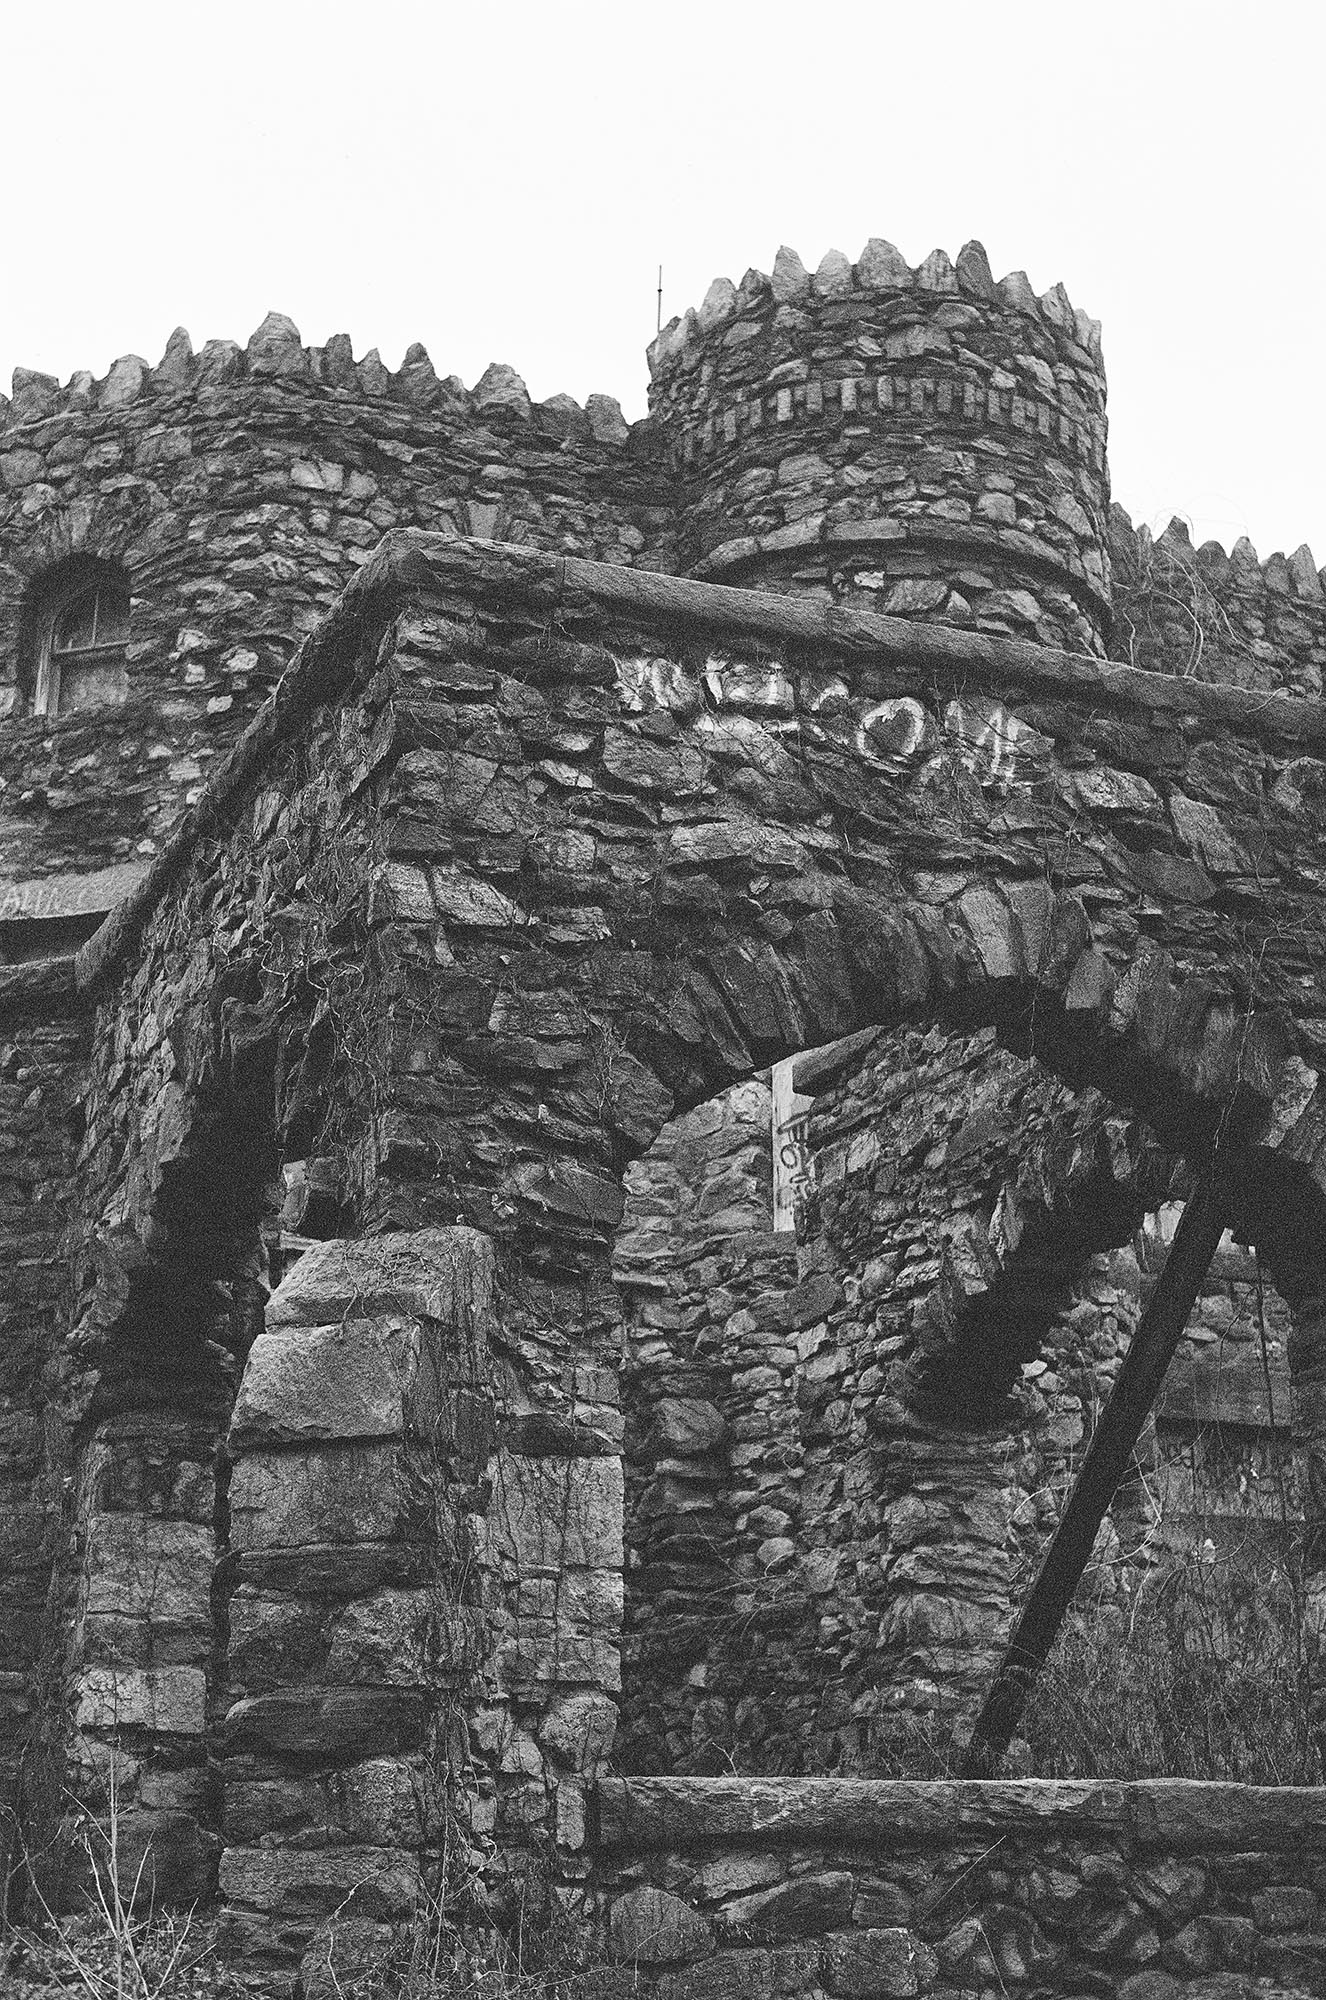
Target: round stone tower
924	442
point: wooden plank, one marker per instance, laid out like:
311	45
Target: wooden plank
793	1165
1108	1457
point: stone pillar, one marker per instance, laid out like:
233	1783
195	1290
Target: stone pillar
142	1634
424	1599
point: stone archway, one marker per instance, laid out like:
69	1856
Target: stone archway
833	1491
620	841
172	1288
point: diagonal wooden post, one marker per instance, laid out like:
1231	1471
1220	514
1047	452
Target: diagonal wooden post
1143	1370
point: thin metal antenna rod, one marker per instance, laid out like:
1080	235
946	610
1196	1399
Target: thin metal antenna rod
659	327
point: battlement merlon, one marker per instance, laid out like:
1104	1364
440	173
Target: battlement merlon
275	351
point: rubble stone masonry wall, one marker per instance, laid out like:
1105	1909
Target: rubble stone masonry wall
40	1070
239	490
824	1558
1217	616
1165	1890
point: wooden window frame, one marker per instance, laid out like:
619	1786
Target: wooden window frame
52	658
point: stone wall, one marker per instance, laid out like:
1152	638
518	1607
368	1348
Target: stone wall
276	1007
40	1067
824	1554
1147	1891
718	1663
922	441
208	1062
492	862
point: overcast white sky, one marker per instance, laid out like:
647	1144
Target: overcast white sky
502	182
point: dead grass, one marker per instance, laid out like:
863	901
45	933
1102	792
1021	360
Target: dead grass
1180	1685
1203	1674
120	1947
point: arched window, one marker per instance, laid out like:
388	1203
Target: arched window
79	630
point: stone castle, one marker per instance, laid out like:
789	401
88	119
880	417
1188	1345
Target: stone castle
602	1030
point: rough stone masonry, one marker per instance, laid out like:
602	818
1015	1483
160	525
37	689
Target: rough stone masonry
470	803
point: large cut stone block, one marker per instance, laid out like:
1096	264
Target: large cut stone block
878	1965
443	1274
651	1926
579	1729
339	1493
391	1639
383	1803
355	1881
139	1565
163	1858
335	1570
587	1599
394	1638
380	1803
274	1640
568	1630
555	1513
804	1907
258	1807
546	1653
333	1725
170	1701
361	1379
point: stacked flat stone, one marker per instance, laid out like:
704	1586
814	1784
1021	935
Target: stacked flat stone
924	442
1158	1889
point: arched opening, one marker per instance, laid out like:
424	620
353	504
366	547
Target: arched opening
848	1444
1190	1649
172	1297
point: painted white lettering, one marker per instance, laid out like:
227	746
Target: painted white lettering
892	729
988	737
650	682
793	1161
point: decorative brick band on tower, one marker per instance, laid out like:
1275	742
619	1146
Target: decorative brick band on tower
919	441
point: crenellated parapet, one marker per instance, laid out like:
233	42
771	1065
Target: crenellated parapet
1212	615
924	442
276	352
224	499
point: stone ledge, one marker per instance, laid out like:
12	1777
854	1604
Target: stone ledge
46	897
38	986
682	1813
